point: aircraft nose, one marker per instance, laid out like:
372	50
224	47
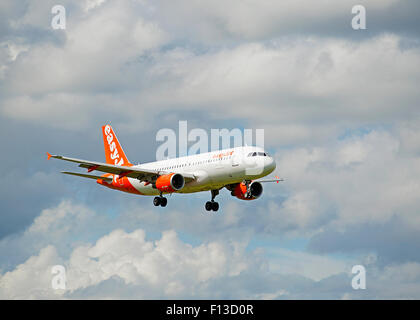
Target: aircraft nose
270	165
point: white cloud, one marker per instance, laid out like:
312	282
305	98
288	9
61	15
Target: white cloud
166	267
299	90
32	279
409	135
123	264
219	21
91	4
68	85
93	55
302	209
400	281
61	220
312	266
167	264
288	85
144	65
361	178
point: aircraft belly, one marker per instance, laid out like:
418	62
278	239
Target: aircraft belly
215	179
144	188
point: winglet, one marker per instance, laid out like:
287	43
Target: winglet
49	156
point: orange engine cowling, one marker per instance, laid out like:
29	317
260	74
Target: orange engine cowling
170	182
255	191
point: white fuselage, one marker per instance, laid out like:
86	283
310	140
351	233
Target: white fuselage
213	170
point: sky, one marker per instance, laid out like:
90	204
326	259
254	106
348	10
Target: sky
340	112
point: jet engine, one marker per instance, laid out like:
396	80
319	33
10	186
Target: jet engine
255	190
170	182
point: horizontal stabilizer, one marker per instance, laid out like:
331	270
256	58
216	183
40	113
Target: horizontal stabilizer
90	176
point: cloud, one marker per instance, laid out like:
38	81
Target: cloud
339	110
118	36
394	241
31	187
361	179
61	226
306	84
166	267
218	22
291	82
366	178
54	82
31	280
409	136
128	264
312	266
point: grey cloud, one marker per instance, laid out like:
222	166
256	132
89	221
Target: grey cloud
311	83
393	241
29	22
297	81
135	270
30	183
127	264
259	21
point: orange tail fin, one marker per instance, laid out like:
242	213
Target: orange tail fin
114	153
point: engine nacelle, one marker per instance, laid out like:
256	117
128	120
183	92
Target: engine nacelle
170	182
255	191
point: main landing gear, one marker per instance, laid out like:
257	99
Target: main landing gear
160	201
212	205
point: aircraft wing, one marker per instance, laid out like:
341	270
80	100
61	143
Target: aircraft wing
123	171
271	180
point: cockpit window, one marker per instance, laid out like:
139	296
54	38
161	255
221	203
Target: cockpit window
254	154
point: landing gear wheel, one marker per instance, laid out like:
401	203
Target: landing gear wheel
163	202
156	201
213	205
208	206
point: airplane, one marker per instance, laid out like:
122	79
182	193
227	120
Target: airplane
235	169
